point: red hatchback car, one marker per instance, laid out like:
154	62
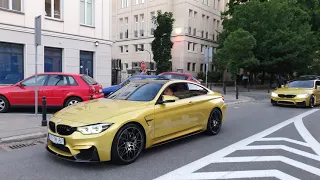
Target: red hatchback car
177	75
60	90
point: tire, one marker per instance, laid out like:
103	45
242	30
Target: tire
214	122
72	100
4	104
312	101
123	151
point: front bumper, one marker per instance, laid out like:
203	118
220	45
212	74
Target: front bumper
300	102
83	148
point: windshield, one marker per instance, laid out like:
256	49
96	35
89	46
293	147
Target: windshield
175	76
137	92
301	84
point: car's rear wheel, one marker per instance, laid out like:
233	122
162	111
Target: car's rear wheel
312	101
71	101
127	144
214	122
4	104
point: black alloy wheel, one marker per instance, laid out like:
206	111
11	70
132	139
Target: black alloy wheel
214	122
127	144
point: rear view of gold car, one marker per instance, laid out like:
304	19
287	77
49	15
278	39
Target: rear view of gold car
302	93
140	115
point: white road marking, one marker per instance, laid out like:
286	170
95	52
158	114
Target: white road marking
283	147
186	171
240	174
285	139
315	145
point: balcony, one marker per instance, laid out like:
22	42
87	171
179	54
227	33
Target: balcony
136	33
142	32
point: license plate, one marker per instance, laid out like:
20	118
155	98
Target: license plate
56	139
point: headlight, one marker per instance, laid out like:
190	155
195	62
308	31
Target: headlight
93	129
302	95
274	94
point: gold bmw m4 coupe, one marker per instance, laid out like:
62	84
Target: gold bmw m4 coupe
138	116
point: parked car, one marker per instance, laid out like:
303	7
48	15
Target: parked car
181	76
140	115
60	90
107	91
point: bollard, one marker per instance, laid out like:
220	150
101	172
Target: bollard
91	97
224	89
44	111
237	92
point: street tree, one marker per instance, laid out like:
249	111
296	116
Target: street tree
162	44
237	52
284	40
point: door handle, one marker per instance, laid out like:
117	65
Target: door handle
190	102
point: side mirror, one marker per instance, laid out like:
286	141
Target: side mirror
167	99
19	84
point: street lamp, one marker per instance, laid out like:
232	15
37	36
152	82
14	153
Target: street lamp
141	49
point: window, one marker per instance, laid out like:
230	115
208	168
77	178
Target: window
136	22
153	16
194	46
194	67
52	59
195	90
53	8
180	90
141	47
60	80
202	48
301	84
124	3
86	12
195	15
189	46
188	68
86	63
14	5
11	63
136	47
126	49
142	22
137	92
201	67
142	1
32	81
121	49
136	2
121	25
88	80
190	13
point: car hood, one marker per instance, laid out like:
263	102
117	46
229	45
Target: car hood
294	91
97	111
111	89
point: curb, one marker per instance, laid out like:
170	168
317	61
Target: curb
238	102
23	137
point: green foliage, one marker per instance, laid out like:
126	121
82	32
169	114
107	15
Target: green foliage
201	75
237	52
215	76
162	44
284	39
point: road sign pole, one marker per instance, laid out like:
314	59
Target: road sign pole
37	42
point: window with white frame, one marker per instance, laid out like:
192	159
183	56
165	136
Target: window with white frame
53	8
136	2
142	1
127	3
136	47
194	46
141	47
86	12
142	21
121	25
121	49
189	46
15	5
136	19
190	13
126	49
195	15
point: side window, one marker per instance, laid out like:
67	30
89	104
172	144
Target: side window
32	81
178	89
60	80
195	90
317	83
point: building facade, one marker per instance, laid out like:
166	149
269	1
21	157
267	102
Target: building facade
197	24
76	38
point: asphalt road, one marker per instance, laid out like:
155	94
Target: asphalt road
257	140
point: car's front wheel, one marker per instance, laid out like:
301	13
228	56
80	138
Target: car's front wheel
214	122
4	104
127	144
312	101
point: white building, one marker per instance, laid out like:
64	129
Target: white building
197	23
76	38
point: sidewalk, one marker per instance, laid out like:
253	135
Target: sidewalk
16	127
